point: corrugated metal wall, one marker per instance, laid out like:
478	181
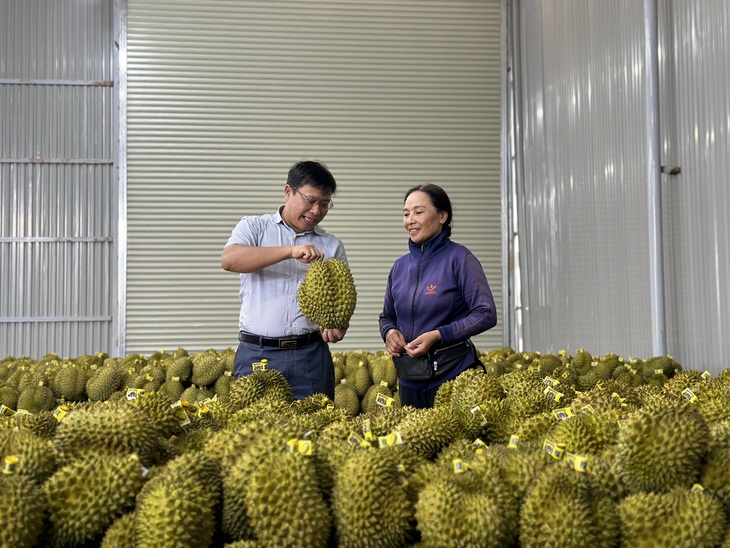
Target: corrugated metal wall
696	138
57	180
223	96
581	177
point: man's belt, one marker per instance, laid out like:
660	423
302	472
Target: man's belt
284	343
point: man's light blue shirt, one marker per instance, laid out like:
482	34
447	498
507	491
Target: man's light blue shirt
269	305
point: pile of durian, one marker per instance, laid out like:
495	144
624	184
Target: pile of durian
529	450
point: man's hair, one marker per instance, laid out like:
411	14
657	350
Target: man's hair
313	173
439	199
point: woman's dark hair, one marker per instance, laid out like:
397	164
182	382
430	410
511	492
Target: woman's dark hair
312	173
439	200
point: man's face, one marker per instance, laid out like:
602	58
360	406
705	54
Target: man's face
304	207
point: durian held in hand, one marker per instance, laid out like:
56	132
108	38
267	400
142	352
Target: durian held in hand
327	295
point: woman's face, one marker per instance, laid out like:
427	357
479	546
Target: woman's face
421	219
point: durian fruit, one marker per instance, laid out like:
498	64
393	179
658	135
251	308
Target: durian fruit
70	382
180	367
246	390
120	533
566	508
443	394
390	375
158	409
172	389
465	502
547	363
339	369
196	394
474	386
327	295
35	456
355	359
580	364
427	431
178	507
715	477
360	379
37	397
22	511
536	428
106	380
240	452
525	396
651	396
220	412
383	421
680	517
612	396
521	467
315	421
112	429
370	501
85	497
668	366
9	396
313	402
332	449
688	378
285	502
150	377
346	398
377	363
369	400
662	447
476	397
235	520
207	367
586	432
223	384
713	400
41	424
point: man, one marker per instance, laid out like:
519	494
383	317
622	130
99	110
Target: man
272	253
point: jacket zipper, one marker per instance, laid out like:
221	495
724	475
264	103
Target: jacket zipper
415	290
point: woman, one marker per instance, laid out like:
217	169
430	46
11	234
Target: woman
437	297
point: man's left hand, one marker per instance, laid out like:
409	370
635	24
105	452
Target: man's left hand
332	335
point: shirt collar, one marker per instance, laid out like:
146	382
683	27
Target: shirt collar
438	241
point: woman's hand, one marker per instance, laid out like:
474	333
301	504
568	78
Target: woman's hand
394	342
423	343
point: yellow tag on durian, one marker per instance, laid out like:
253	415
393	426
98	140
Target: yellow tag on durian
563	413
555	450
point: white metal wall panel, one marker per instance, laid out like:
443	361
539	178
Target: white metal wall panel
57	203
581	177
582	186
224	96
696	129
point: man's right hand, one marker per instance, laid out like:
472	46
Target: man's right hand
306	254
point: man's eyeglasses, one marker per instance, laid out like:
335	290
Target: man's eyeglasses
324	204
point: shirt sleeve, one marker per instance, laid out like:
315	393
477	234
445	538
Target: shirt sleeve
474	288
387	316
246	232
340	252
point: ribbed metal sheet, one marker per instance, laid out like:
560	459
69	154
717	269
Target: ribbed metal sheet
57	203
581	173
224	96
696	138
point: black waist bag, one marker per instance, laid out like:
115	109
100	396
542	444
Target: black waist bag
432	365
